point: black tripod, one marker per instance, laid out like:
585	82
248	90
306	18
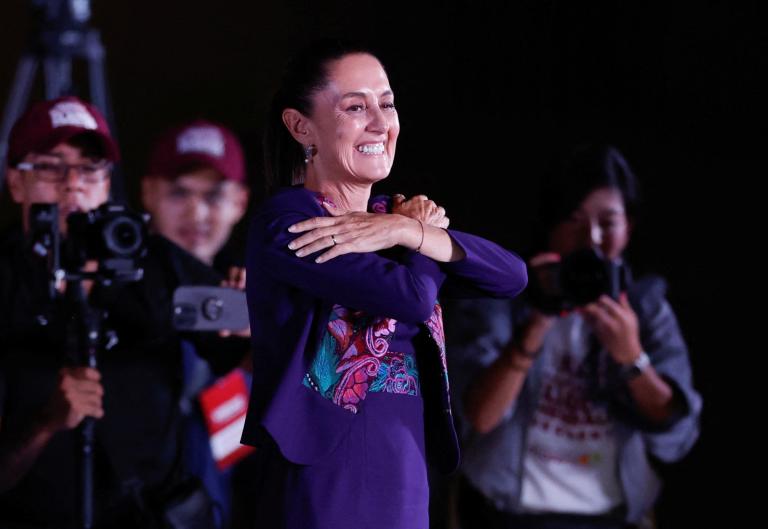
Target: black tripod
60	35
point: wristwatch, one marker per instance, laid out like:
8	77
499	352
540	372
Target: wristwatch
630	371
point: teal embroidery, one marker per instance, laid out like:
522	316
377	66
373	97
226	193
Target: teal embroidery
354	358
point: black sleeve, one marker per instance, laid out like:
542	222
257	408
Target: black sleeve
181	268
142	312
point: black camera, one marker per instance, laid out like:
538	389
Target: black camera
580	278
108	233
111	234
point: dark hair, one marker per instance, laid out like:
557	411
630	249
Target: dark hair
90	145
305	74
581	171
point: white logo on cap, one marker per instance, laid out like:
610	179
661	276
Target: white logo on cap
69	113
206	140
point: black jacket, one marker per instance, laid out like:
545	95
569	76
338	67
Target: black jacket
139	439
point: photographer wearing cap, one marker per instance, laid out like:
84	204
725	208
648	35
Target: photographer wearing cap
195	187
60	152
195	190
567	398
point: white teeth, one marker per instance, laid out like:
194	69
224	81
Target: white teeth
376	148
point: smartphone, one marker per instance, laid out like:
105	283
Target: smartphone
206	308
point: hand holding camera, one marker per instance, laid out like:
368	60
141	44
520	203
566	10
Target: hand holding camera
559	285
236	280
615	325
586	282
78	394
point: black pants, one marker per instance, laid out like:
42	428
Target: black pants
477	512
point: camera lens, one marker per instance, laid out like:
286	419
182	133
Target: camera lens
213	308
122	236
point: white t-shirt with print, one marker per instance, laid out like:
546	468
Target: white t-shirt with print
570	464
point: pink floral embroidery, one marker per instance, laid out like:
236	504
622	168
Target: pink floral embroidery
435	326
353	386
354	358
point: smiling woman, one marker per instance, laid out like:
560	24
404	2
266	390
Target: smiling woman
353	127
350	390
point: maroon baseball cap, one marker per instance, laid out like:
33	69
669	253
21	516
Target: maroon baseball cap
47	123
195	145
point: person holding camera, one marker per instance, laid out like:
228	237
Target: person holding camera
195	188
567	398
195	191
60	152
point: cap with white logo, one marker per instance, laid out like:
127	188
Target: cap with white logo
48	123
196	145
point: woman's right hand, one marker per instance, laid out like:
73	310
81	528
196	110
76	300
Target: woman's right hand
535	329
358	232
350	232
421	208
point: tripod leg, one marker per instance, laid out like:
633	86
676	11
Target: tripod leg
94	53
97	78
58	76
17	102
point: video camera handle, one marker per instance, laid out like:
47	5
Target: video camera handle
84	338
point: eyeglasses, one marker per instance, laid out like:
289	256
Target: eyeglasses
56	173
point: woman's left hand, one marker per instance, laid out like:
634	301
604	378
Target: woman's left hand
347	232
616	326
421	208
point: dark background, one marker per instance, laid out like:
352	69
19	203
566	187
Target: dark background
486	93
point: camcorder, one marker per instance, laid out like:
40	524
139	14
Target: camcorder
115	237
111	234
577	280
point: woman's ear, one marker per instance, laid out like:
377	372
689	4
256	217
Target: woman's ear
299	126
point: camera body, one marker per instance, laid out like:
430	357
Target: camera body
208	308
111	234
577	280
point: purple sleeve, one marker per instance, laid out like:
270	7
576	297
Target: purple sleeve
405	290
488	269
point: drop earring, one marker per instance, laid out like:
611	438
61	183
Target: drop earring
309	152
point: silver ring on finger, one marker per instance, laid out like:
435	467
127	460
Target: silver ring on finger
333	240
